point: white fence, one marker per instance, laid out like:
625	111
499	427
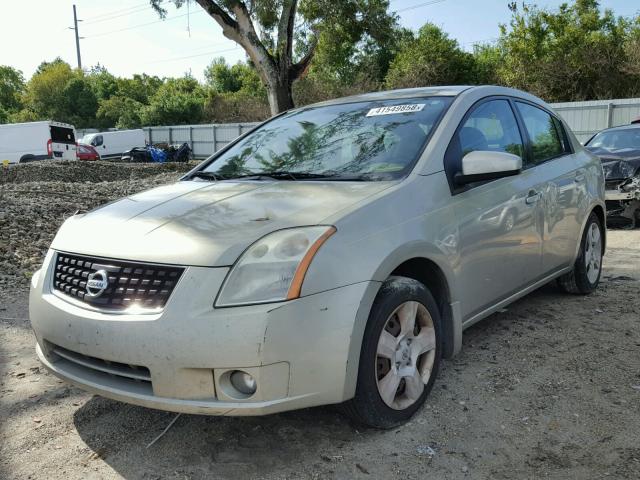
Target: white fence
203	139
588	118
584	118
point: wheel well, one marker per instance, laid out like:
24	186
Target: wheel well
432	276
599	211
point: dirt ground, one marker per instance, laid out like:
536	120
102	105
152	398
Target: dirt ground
549	388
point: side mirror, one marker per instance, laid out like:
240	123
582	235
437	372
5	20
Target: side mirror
487	165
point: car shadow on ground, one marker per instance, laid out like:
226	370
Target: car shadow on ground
198	446
244	447
310	443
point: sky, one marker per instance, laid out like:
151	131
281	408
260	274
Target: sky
127	36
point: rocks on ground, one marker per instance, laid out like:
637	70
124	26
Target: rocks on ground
36	198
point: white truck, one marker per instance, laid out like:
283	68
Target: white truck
26	142
114	144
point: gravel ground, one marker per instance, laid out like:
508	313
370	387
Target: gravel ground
35	198
549	388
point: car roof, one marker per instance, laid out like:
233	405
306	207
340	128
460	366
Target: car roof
439	91
632	126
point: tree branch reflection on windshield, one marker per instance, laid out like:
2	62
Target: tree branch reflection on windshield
338	139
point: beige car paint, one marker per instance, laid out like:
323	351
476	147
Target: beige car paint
206	226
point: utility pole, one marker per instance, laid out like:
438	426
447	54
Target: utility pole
75	27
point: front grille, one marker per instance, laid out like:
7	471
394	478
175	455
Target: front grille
117	369
125	283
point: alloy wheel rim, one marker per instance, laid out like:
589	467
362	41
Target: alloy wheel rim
405	355
593	252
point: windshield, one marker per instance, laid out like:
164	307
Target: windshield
369	140
616	139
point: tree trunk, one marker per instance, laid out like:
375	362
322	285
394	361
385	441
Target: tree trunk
280	97
277	72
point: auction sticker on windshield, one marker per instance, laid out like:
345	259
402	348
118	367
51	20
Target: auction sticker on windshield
407	108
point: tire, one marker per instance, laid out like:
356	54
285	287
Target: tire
585	276
398	300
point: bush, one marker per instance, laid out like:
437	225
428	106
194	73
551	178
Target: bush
235	107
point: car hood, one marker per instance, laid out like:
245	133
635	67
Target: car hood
618	164
202	223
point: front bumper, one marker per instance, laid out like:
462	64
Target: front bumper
302	352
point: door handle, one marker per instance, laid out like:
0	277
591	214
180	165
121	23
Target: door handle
533	197
579	177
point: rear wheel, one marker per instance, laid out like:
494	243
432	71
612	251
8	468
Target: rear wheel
585	276
400	355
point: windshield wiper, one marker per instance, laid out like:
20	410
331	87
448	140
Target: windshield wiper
288	175
278	175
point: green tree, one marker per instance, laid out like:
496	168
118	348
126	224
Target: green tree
139	87
103	83
79	102
11	88
343	58
265	29
119	112
221	77
577	52
177	101
45	98
487	60
432	58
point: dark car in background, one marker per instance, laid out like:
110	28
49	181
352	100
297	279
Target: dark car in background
619	152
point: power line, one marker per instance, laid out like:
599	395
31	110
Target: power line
130	7
227	50
419	5
142	25
113	17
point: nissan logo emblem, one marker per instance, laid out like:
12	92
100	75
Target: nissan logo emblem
97	282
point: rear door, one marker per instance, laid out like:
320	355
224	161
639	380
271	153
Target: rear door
500	221
63	142
551	156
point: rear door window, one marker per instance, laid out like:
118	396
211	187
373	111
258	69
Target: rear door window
546	142
62	135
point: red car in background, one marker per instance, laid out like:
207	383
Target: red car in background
87	152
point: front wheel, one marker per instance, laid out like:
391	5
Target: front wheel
400	355
585	276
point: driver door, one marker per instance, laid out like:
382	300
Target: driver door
500	221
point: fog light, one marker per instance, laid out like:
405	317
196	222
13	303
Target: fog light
243	382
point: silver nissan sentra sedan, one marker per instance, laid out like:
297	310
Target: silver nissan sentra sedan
333	255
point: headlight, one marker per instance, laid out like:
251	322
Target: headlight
273	268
